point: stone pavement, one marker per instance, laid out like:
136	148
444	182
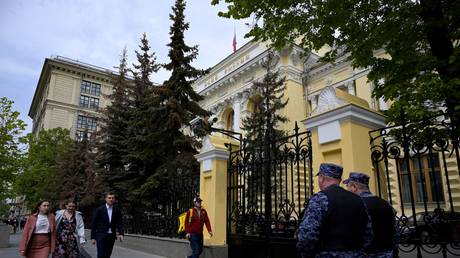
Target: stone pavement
118	252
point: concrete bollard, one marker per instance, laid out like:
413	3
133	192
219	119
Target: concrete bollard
4	235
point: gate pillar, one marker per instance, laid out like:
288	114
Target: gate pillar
340	133
213	159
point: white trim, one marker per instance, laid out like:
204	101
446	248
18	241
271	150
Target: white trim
355	113
213	154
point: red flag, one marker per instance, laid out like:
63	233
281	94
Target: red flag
234	42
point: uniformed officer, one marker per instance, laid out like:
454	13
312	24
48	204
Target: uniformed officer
384	223
336	223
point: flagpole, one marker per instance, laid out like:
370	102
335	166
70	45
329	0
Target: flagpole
234	40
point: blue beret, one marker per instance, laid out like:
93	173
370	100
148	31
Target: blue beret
358	178
330	170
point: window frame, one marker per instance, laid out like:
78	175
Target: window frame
430	176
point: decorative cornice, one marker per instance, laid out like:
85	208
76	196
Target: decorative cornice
324	68
213	154
230	77
357	75
357	114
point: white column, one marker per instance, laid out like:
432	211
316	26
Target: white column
351	88
314	102
237	114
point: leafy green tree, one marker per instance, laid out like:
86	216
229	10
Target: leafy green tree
11	128
266	118
421	38
40	176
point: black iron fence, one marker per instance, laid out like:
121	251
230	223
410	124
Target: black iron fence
417	169
173	199
269	186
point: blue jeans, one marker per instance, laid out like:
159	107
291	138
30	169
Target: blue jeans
196	243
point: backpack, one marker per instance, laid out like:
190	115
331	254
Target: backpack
182	216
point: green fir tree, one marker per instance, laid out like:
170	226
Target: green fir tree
113	134
179	101
266	118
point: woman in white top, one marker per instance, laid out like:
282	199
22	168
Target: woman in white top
39	235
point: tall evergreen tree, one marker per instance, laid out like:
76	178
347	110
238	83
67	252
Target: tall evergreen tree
142	155
179	101
266	118
78	175
113	133
262	127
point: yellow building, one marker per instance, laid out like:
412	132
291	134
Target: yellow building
69	94
332	100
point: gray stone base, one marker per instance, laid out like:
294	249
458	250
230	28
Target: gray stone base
4	235
168	247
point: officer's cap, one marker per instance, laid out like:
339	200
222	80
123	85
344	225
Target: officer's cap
330	170
358	178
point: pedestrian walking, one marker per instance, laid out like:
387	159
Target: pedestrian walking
336	223
70	231
22	223
385	226
39	235
107	222
195	219
15	224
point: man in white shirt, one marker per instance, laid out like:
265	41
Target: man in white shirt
107	225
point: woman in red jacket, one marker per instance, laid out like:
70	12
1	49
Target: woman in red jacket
39	235
194	220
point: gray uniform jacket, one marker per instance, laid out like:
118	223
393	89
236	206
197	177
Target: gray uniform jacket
79	221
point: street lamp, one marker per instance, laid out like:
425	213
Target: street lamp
197	121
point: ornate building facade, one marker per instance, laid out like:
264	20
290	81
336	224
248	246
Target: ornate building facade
334	101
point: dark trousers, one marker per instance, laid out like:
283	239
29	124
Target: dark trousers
105	244
196	243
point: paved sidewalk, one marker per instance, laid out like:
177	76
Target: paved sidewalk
118	252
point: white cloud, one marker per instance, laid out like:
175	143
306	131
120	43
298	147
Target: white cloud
95	32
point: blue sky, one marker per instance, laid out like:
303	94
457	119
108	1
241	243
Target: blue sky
95	32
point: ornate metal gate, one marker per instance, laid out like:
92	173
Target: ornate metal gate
268	189
417	170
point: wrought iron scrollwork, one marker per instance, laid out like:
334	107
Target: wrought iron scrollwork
287	162
416	164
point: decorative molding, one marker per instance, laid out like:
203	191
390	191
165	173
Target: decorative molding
212	154
357	114
327	100
342	82
330	80
322	68
207	145
292	73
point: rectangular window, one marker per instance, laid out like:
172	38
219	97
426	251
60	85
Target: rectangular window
425	176
85	87
80	135
94	103
84	122
89	102
96	89
84	101
90	88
